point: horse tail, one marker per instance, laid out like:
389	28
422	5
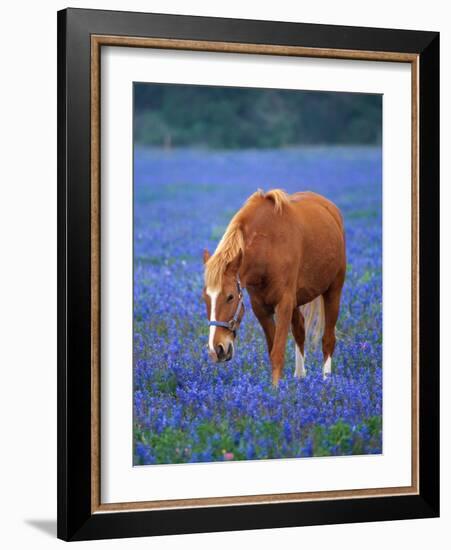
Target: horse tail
314	318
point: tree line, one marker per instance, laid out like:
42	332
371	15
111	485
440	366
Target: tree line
238	118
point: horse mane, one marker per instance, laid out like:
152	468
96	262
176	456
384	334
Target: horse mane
232	242
279	197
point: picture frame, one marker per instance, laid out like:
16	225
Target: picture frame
81	36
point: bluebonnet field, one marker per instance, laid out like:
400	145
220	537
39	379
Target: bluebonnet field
187	409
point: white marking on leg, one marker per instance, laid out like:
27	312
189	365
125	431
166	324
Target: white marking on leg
299	370
327	367
213	297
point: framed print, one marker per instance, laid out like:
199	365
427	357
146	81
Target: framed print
248	274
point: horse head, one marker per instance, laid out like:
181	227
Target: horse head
225	310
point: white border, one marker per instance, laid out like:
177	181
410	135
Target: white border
120	482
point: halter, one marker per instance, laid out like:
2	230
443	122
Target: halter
231	325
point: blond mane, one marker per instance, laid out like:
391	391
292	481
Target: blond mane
232	242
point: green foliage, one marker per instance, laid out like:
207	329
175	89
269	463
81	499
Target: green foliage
341	439
176	446
230	118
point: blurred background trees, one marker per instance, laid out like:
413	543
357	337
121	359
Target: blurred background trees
239	118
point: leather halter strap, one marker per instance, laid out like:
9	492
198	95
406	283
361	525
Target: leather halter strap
232	324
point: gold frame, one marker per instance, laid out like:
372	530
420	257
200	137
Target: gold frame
97	41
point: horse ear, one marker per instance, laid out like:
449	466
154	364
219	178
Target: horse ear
235	264
206	255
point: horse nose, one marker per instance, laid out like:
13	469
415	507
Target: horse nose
220	352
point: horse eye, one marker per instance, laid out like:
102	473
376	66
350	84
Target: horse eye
229	298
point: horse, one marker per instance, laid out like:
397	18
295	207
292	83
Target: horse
289	253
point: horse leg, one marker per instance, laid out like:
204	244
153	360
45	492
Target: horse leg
298	330
331	309
266	320
284	311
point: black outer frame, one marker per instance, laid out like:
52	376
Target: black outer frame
75	520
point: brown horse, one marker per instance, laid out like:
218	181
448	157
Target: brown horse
288	251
